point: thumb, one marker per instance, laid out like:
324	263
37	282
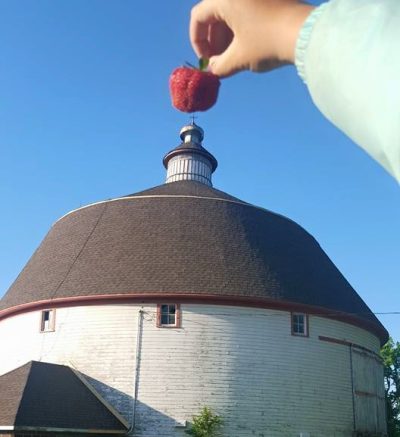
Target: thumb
227	63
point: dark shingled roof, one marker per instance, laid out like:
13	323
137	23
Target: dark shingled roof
184	237
43	395
187	188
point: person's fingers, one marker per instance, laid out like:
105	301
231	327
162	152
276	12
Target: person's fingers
229	62
220	37
203	16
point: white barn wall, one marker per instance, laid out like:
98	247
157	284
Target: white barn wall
242	362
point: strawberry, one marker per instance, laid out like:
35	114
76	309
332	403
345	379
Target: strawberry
193	89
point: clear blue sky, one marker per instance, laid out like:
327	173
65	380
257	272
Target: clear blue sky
85	115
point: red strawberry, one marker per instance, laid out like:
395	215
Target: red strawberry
193	89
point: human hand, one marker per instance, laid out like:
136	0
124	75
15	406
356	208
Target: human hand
256	35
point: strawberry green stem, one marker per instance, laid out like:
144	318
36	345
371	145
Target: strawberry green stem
203	64
190	65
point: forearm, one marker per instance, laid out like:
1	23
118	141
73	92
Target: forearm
348	54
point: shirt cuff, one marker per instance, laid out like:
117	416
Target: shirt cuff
304	38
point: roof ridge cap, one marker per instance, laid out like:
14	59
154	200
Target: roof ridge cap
133	197
220	199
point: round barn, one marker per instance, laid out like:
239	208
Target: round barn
136	312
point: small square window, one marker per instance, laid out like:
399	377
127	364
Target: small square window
47	321
300	324
168	316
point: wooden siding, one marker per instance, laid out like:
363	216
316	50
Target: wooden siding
242	362
369	392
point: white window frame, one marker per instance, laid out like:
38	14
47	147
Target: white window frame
47	324
305	333
160	314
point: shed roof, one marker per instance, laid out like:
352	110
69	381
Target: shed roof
50	396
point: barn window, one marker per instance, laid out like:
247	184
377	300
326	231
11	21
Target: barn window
300	324
168	316
47	320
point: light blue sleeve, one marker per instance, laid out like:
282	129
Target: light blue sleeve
348	54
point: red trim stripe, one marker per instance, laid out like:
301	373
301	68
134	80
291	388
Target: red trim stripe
198	299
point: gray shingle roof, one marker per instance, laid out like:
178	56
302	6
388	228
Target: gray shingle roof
184	237
43	395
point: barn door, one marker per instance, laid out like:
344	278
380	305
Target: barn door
369	394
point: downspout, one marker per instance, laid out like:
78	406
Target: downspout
131	430
352	387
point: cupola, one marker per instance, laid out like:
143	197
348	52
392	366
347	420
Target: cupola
190	160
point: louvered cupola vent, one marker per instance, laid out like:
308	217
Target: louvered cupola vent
190	160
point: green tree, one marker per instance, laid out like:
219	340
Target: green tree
206	424
391	359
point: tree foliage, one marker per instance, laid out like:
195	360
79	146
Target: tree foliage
391	359
206	424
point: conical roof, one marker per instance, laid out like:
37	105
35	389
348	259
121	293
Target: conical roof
186	240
